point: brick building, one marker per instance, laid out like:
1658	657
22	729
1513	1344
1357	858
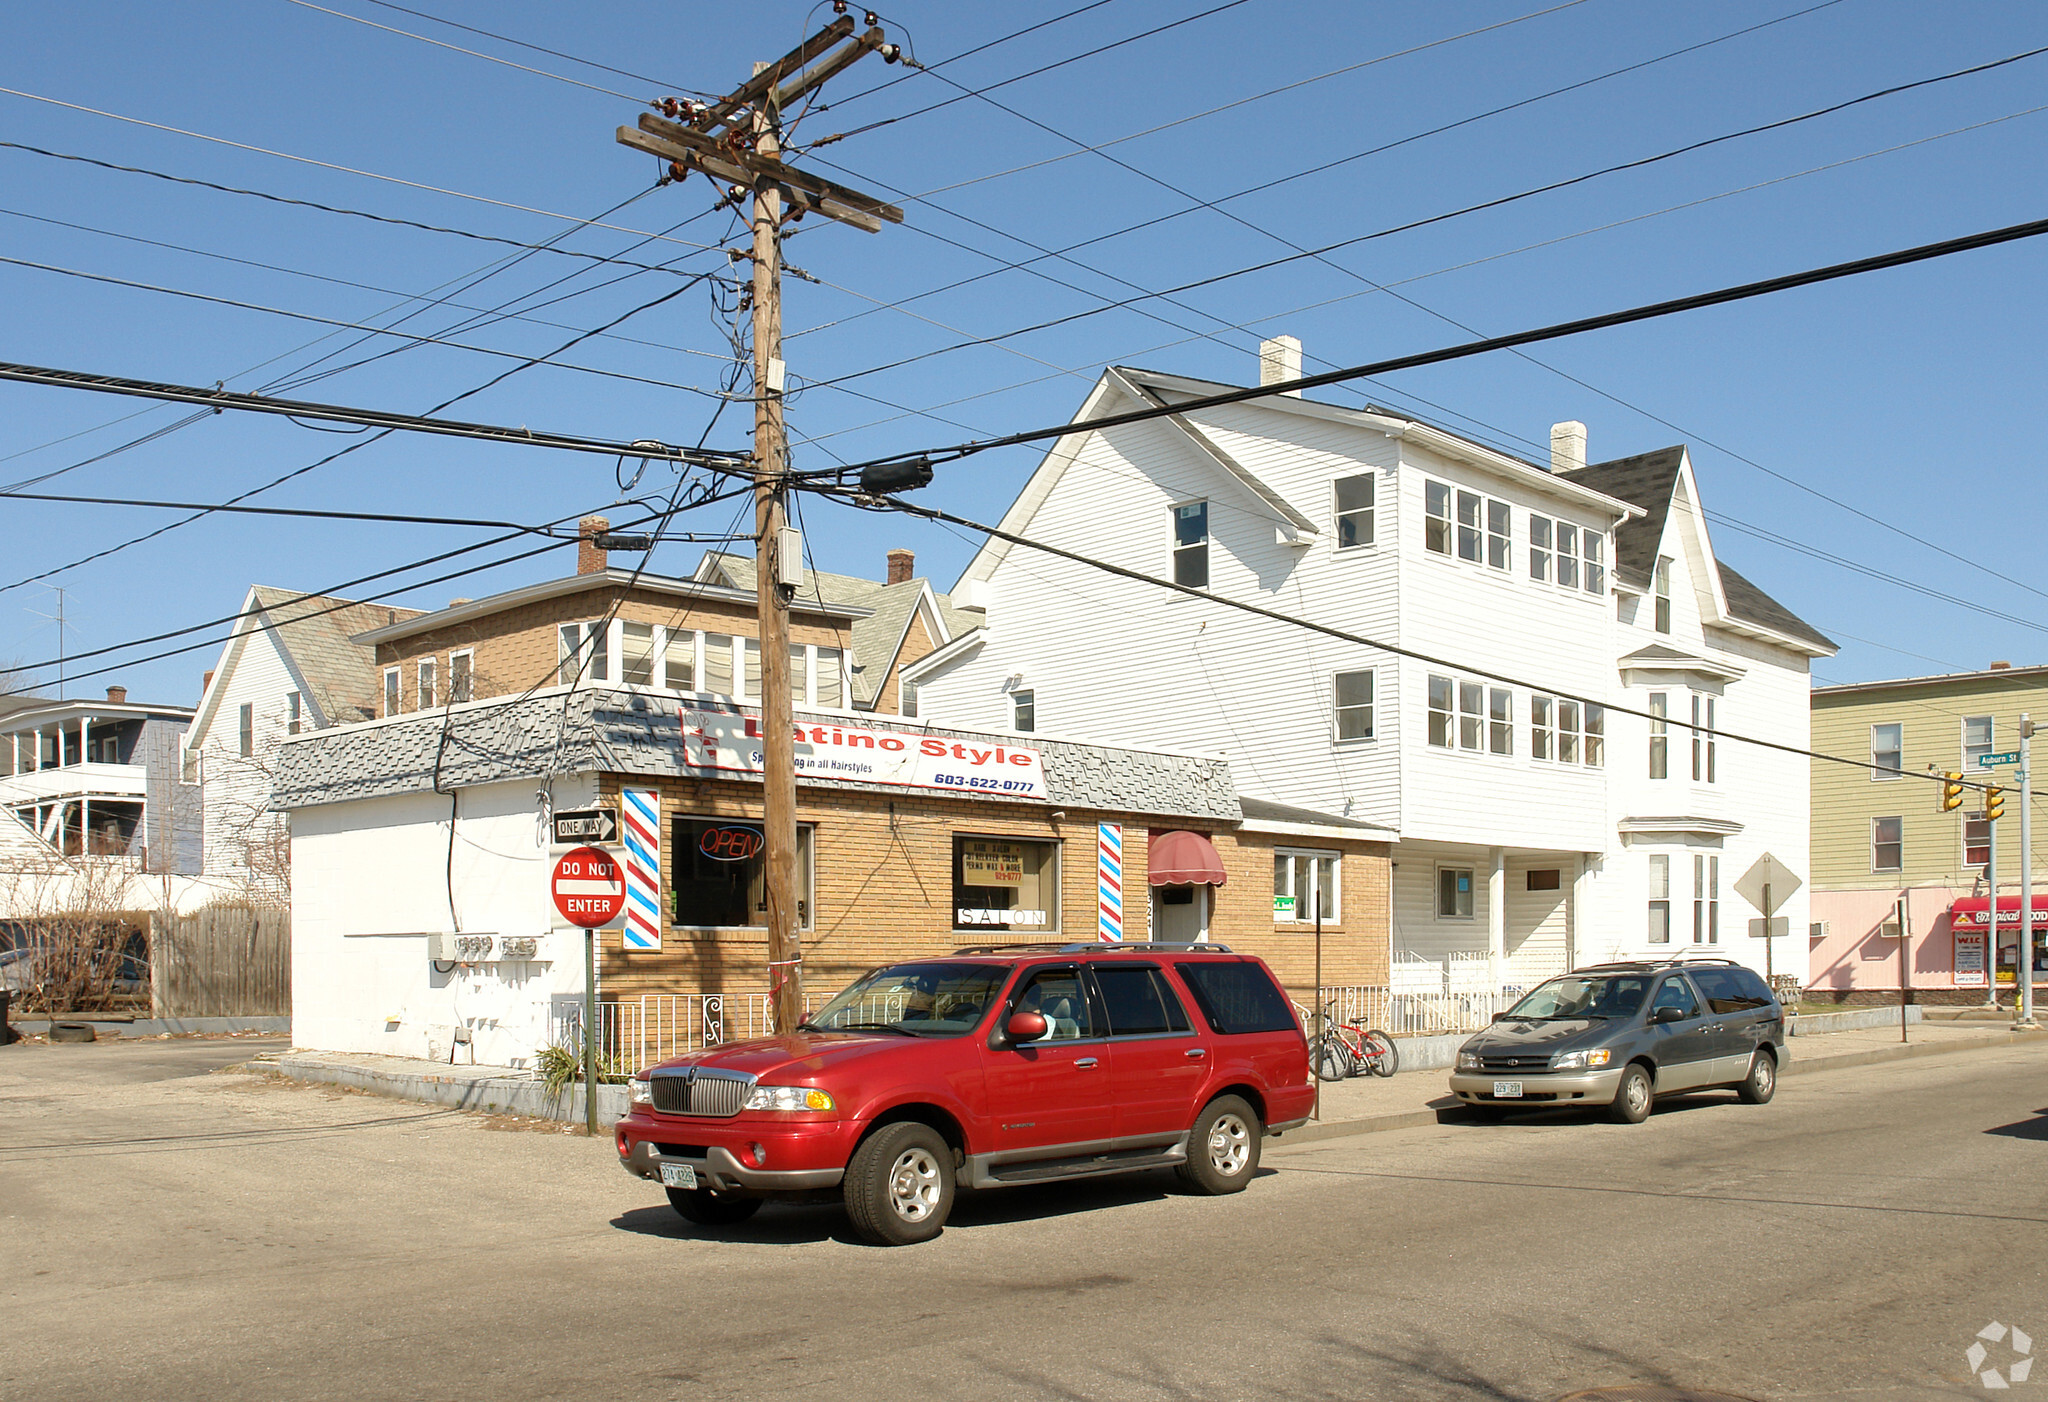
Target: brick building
413	833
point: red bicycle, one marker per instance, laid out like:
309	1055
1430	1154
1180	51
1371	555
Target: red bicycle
1350	1049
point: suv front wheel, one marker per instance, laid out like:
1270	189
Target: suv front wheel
1223	1147
899	1185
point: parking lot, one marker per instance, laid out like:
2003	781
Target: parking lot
174	1231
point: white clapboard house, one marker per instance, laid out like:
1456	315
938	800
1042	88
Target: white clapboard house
1536	831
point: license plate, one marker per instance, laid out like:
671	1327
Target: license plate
681	1175
1502	1090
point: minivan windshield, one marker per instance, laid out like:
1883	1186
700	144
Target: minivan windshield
1584	995
913	1000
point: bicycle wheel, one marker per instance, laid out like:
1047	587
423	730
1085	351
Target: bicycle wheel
1382	1057
1332	1059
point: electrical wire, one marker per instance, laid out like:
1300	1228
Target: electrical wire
473	53
229	507
541	49
965	53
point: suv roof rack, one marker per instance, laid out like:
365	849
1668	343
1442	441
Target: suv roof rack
1100	947
1674	962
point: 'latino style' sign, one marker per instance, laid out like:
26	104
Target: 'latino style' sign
730	740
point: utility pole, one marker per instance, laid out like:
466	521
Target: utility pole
2025	971
737	141
1991	919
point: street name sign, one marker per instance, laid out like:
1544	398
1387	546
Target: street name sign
589	887
1994	761
586	825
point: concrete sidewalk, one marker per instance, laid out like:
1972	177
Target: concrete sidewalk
1365	1105
503	1090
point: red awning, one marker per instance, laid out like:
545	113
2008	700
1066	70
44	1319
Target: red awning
1968	913
1182	858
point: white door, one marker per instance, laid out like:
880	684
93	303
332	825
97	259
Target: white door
1180	914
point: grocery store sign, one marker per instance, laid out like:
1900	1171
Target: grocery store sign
730	741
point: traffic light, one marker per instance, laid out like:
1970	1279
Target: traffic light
1951	792
1994	803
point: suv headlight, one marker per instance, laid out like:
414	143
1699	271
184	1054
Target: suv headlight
789	1098
1581	1060
640	1090
1468	1061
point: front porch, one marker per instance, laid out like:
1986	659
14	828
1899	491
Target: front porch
1470	920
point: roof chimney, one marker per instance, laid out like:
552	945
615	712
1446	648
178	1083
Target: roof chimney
206	681
117	695
458	603
1567	446
590	559
2001	666
1279	361
901	562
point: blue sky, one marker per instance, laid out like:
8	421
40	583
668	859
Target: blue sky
1912	396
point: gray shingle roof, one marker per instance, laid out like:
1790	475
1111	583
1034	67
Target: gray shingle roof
341	675
1648	480
628	731
1265	810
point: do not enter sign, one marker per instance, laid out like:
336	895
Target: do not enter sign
589	887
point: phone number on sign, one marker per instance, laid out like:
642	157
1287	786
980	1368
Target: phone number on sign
975	781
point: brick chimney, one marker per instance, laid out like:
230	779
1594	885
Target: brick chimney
590	559
1279	360
901	565
206	681
1567	446
117	696
2001	666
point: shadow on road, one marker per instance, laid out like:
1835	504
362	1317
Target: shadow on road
791	1224
1463	1114
2035	1128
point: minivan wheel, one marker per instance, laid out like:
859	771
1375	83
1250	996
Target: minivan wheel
1761	1082
1223	1147
1634	1097
899	1185
709	1209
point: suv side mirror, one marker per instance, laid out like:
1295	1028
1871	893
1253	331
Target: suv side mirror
1668	1014
1026	1027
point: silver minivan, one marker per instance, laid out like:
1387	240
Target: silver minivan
1620	1035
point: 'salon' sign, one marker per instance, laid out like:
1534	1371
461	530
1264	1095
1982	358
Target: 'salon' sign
730	740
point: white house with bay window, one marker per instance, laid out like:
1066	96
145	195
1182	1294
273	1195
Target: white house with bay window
1450	641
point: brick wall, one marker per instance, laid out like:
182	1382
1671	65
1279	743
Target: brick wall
884	891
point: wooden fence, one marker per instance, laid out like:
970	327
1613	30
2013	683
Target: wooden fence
222	961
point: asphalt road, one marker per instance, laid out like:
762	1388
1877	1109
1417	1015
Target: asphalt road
167	1233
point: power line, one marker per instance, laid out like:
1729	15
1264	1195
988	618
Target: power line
397	518
473	53
941	63
541	49
1696	301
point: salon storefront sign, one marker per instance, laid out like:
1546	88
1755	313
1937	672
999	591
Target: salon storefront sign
730	741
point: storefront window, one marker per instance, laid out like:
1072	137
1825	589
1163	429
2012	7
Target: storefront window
719	875
1006	883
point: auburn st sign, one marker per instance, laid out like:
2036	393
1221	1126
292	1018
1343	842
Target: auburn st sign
715	738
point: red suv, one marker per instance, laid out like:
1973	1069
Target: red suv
985	1068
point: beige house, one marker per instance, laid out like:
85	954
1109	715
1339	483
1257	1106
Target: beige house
1880	834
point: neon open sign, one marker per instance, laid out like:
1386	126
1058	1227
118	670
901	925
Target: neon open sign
730	844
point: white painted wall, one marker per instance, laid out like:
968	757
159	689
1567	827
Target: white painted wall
370	882
242	837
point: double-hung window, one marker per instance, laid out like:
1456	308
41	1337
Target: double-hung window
1352	702
1567	555
1703	739
637	654
1023	710
1976	842
1436	525
247	734
1471	714
1593	552
829	678
427	702
1567	731
1454	893
1706	898
1542	717
717	671
1976	741
461	676
1539	549
1887	844
1354	497
1441	690
1305	885
1663	588
1660	898
1191	544
1468	526
1500	721
390	691
1499	543
1594	750
294	721
582	652
1887	748
1660	739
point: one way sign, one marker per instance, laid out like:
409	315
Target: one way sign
586	825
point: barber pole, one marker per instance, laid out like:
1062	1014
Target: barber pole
1109	881
640	817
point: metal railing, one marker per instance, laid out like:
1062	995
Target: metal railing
636	1032
1413	1014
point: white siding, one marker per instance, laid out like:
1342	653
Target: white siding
245	844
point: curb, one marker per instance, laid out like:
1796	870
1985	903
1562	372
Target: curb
1842	1061
493	1095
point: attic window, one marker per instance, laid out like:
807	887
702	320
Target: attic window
1191	545
1664	594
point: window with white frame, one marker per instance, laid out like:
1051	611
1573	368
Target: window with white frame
1436	523
1539	549
1500	721
1660	898
247	729
1352	702
427	702
193	768
637	653
1442	691
1499	540
1567	536
750	670
461	677
828	677
1471	715
1353	498
1567	731
1469	504
390	691
906	698
1542	721
1191	544
679	660
1660	738
1887	749
583	652
1023	710
716	676
1976	741
1976	842
1887	844
1703	739
1593	555
1454	893
1306	884
1662	579
1594	751
1706	898
293	722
